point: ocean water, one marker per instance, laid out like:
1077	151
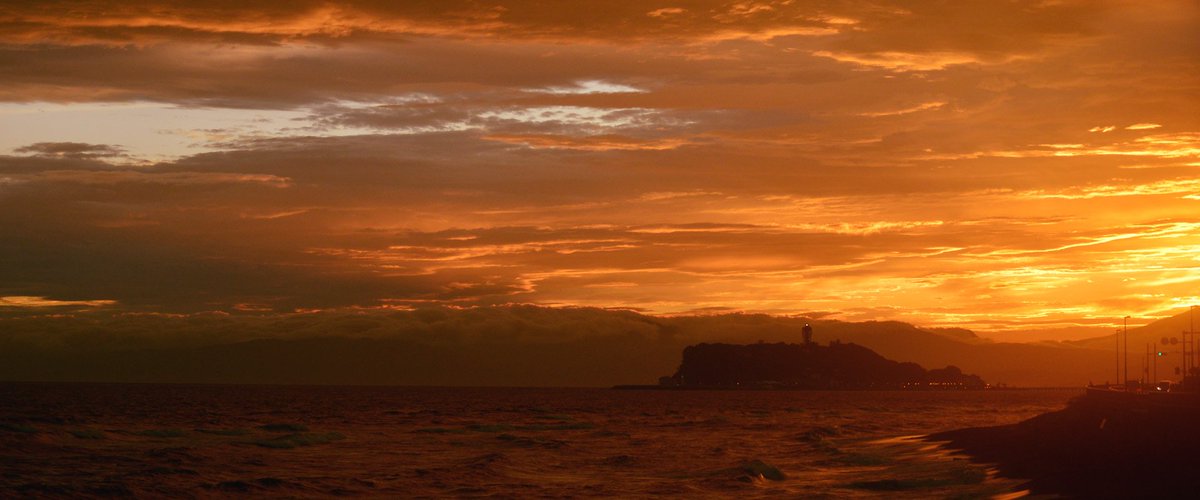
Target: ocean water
208	441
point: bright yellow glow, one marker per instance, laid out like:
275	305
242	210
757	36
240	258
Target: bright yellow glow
38	302
1034	168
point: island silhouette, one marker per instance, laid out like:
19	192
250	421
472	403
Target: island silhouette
806	366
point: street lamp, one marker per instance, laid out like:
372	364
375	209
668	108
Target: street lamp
1189	343
1127	350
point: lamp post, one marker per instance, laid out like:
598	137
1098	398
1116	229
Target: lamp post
1192	336
1117	337
1146	368
1127	350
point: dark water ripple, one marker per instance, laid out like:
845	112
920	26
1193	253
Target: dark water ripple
167	440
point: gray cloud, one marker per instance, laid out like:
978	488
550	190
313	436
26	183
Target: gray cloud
72	150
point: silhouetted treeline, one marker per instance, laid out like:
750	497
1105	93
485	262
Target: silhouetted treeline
836	366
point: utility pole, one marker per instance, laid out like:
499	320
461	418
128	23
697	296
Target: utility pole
1155	359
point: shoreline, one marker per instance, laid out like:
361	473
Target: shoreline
1092	449
647	387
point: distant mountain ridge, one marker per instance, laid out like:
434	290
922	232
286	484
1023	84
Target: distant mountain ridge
504	345
1154	332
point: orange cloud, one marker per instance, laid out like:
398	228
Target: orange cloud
25	301
589	143
903	61
959	164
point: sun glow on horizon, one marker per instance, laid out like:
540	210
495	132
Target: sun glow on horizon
1035	172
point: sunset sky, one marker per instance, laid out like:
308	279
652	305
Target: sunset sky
1013	167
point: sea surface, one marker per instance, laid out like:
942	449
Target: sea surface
213	441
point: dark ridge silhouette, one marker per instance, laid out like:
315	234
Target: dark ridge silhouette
808	366
509	345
